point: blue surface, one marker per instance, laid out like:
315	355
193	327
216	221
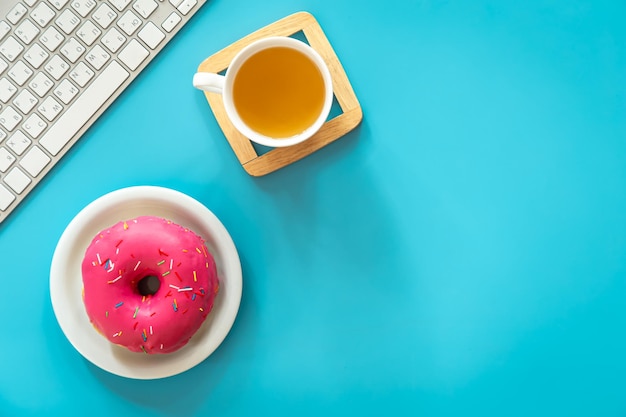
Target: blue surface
461	253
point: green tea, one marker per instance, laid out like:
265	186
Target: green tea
279	92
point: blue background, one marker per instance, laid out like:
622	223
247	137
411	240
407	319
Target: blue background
461	253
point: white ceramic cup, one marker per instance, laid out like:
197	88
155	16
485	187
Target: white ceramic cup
223	84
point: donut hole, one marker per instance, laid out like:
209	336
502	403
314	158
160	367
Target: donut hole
148	285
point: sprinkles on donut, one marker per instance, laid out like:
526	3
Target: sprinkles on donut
148	284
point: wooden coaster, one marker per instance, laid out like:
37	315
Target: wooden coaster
333	129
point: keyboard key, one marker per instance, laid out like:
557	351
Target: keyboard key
120	4
16	13
36	56
11	48
4	29
27	31
41	84
97	57
52	38
42	14
7	90
175	3
113	40
88	32
72	50
6	197
67	21
34	161
58	4
34	125
100	90
9	118
186	6
66	91
151	35
145	7
17	180
81	74
20	72
83	7
56	67
18	143
25	101
133	54
170	23
6	159
104	16
3	65
50	108
129	22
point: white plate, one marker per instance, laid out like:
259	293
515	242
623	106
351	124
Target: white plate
66	280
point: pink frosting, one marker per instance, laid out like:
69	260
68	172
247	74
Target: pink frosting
119	257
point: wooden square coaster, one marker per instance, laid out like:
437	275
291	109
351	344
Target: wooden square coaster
333	129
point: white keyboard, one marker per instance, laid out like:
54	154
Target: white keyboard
62	63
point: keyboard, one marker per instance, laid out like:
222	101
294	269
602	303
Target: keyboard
62	63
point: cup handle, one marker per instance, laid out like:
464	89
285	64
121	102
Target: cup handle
206	81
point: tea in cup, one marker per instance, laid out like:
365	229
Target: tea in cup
277	91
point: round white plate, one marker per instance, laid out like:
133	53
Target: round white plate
66	280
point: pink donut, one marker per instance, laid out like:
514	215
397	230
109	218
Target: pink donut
148	284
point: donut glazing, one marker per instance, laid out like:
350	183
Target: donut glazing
148	284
